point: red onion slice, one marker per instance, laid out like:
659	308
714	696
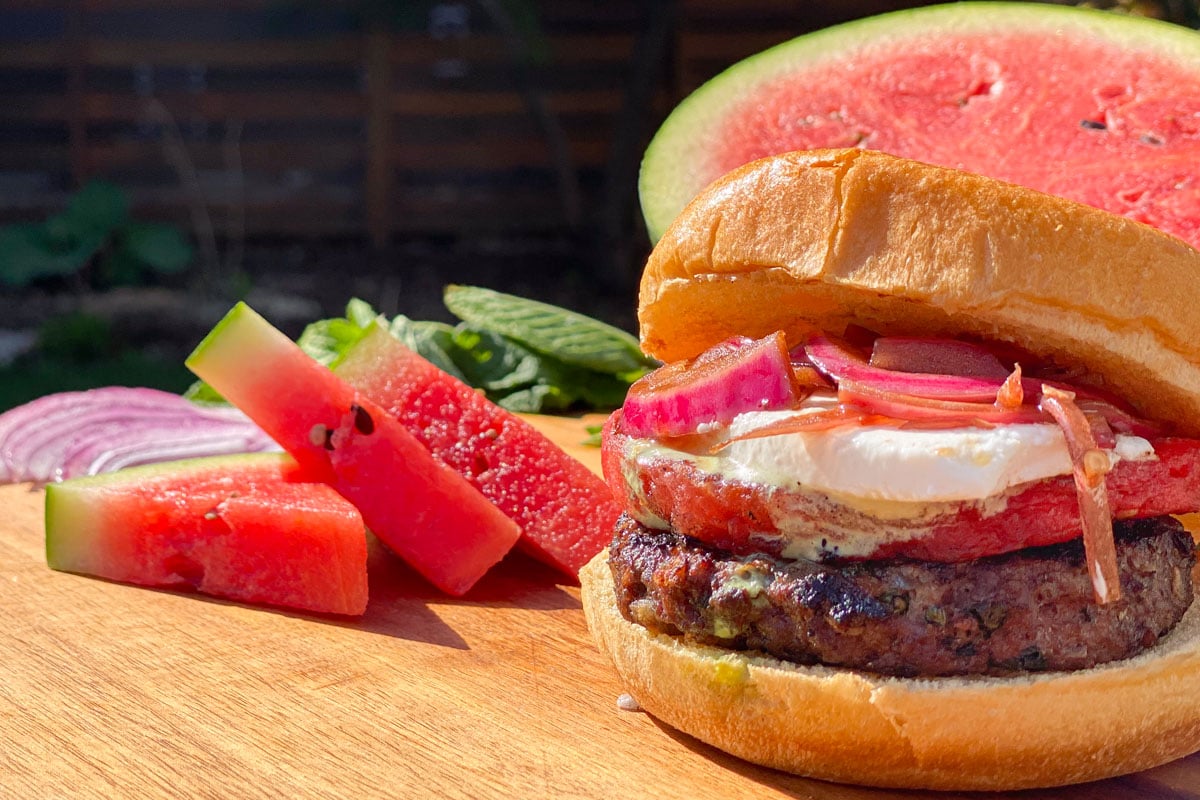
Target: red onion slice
68	434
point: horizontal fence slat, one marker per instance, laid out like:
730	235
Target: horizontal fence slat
342	50
259	105
44	54
494	155
474	104
268	156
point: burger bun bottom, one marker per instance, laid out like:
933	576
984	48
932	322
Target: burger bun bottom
975	733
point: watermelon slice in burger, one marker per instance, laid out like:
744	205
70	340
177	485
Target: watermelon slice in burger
1098	107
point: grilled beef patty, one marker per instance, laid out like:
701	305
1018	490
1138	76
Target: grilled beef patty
1029	610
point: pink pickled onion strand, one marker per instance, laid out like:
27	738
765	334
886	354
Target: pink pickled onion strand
843	364
68	434
1094	511
875	400
807	422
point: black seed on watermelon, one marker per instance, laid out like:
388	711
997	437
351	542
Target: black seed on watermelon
1017	91
362	420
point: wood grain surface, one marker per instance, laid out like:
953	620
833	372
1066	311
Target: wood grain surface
110	691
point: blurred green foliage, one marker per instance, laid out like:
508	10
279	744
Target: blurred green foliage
94	238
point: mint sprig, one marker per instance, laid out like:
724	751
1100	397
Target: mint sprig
525	355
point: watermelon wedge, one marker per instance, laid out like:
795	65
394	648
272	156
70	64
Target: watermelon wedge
246	527
565	511
1098	107
420	508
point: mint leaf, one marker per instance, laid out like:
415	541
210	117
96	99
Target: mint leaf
433	341
360	312
492	362
511	372
570	337
535	399
326	340
201	392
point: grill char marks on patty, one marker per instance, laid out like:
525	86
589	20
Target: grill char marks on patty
1031	610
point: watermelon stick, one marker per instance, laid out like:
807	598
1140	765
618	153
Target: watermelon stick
248	527
420	508
566	512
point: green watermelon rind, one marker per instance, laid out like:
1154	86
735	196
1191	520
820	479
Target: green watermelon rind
674	161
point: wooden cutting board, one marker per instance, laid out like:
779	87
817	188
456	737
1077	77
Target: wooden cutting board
111	691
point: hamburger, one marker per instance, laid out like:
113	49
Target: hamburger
899	504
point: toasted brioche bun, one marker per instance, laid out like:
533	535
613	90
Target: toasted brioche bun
962	734
822	238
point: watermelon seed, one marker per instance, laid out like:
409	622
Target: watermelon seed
1093	124
1150	138
362	420
318	435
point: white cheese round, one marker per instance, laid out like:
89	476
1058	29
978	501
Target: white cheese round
882	463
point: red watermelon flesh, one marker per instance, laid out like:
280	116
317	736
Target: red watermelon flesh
248	528
1096	107
565	511
420	508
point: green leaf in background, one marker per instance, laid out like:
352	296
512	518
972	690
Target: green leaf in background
511	373
328	339
360	312
433	341
535	399
120	268
493	362
201	392
570	337
162	248
28	253
98	209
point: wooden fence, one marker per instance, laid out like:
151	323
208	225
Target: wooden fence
292	117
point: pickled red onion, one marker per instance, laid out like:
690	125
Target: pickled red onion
874	400
64	435
1090	465
843	364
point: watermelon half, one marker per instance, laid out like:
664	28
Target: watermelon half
1098	107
